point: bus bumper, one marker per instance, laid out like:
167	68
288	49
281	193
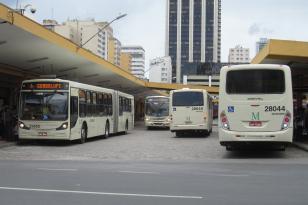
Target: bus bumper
44	134
174	128
157	124
227	137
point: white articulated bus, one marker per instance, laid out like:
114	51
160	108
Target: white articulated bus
157	111
255	105
191	110
67	110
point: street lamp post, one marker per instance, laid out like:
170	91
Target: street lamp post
22	10
101	29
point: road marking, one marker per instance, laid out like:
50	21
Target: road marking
50	169
100	193
224	175
137	172
233	175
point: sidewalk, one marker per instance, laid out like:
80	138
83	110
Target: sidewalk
215	122
4	143
303	145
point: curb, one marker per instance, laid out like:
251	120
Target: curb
300	146
6	144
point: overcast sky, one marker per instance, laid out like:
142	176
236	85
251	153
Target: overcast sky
243	21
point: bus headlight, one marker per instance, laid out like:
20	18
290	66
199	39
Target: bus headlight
23	126
286	121
147	119
169	119
64	126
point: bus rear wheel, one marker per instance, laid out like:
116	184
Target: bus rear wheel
205	133
107	131
126	127
83	134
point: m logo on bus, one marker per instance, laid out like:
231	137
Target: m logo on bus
255	116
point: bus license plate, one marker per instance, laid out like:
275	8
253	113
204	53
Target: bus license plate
255	124
44	134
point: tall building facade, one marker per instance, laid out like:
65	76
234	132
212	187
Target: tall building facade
80	31
126	61
261	44
114	51
160	70
193	33
239	55
137	54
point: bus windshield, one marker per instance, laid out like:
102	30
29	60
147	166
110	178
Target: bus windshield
44	106
253	81
187	99
157	107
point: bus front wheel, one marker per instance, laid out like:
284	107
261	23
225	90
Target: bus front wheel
179	134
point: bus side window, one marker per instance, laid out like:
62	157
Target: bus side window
82	103
126	105
94	104
100	105
105	104
129	105
89	112
74	111
110	104
120	106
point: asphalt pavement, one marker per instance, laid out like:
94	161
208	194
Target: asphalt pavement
140	145
97	182
150	167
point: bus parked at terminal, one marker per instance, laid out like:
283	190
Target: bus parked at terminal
255	105
191	111
66	110
157	111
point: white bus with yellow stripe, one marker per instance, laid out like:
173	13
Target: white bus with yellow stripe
191	111
255	105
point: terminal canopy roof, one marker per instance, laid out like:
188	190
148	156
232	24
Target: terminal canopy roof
291	53
29	50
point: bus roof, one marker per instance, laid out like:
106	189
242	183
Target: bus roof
188	89
75	84
254	66
157	96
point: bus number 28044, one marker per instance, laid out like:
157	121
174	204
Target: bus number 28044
197	108
274	108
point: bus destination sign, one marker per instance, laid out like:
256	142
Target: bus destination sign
45	86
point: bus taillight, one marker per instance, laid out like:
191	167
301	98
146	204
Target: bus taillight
286	121
205	117
224	121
